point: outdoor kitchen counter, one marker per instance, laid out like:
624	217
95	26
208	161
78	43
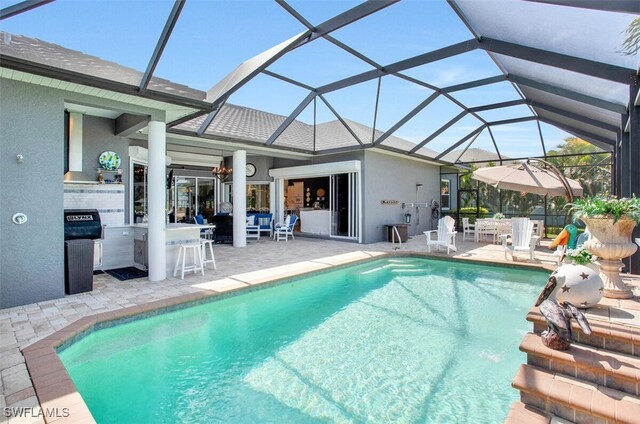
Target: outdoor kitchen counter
132	249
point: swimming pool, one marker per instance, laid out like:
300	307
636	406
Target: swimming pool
391	340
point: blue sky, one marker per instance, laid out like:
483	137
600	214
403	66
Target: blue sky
212	37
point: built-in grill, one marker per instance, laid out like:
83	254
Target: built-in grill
81	228
82	224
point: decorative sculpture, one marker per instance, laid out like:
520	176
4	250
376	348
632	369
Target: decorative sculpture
558	334
567	237
580	285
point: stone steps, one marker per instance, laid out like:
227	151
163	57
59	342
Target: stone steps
604	335
605	368
521	413
573	399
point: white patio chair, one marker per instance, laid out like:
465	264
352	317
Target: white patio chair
522	238
468	229
446	235
486	228
285	230
253	229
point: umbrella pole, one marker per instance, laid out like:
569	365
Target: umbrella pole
568	192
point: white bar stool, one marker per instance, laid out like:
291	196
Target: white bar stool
203	245
197	259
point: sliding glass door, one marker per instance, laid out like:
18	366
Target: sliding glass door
344	205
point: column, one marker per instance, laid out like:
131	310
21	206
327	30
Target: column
75	141
239	198
156	186
634	162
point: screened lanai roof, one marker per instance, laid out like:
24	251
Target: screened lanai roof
427	78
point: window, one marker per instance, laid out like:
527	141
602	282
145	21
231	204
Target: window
258	195
445	194
139	193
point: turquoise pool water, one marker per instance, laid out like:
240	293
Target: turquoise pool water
399	340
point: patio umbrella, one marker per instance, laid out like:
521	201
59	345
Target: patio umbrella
527	178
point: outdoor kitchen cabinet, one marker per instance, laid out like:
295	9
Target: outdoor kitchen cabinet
117	247
140	252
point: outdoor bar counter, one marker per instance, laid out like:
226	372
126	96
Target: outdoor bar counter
126	245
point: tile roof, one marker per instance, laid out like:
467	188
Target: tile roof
249	124
53	55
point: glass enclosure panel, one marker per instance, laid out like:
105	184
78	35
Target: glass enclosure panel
487	94
455	70
139	193
554	138
482	149
224	34
299	134
573	106
356	105
490	200
318	11
578	124
310	64
390	35
276	96
519	111
422	125
552	27
517	204
397	98
521	140
455	134
329	132
574	81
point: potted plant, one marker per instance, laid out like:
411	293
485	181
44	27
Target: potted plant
498	215
610	221
579	256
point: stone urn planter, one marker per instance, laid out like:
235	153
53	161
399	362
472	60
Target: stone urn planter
611	242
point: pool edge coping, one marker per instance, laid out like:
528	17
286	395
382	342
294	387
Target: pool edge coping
56	391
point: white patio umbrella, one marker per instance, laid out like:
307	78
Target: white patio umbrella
528	178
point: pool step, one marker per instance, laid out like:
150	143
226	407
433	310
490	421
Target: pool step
521	413
604	335
609	369
573	399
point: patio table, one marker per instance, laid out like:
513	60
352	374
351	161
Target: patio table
495	227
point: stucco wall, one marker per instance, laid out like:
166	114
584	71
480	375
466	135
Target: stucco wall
31	254
32	124
389	177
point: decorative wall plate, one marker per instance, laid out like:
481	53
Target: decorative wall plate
109	160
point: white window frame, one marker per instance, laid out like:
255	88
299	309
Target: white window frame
448	181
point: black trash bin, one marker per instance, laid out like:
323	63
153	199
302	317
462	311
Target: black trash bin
78	266
81	228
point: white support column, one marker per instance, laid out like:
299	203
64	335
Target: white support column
75	141
156	182
279	214
239	198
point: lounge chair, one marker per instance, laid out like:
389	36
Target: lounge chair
285	229
522	238
446	235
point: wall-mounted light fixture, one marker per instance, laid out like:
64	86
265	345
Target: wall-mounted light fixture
19	158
